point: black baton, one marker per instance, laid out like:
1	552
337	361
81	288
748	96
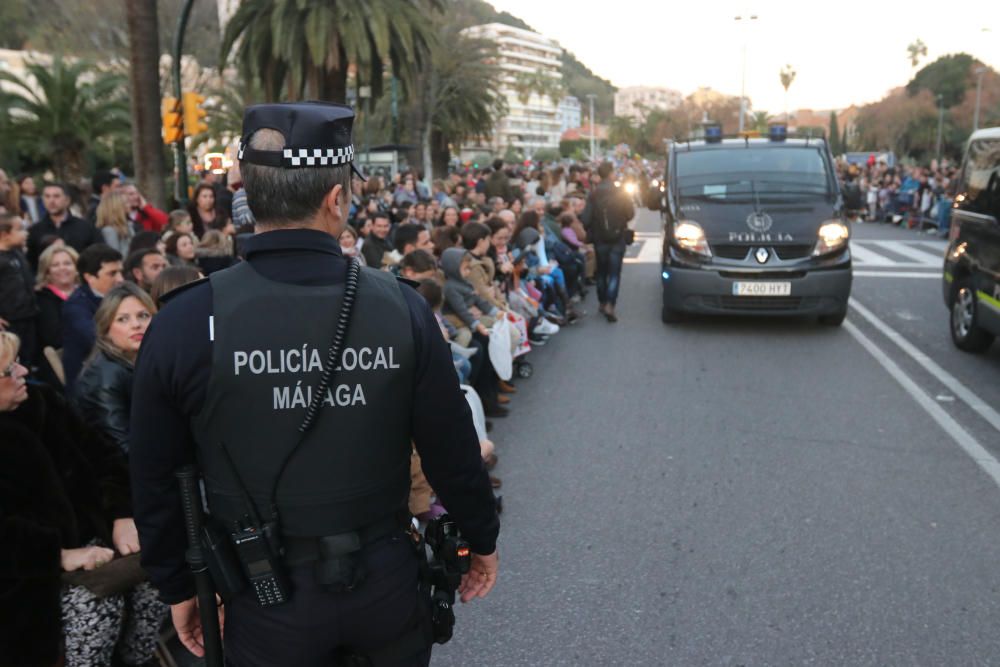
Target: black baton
207	606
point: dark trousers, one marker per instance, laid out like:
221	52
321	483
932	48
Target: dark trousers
484	378
315	626
610	257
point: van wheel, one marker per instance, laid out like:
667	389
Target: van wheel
671	316
965	330
834	319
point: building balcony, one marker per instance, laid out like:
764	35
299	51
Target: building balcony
542	44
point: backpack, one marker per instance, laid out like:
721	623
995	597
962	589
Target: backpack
605	229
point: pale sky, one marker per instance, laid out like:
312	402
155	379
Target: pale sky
845	52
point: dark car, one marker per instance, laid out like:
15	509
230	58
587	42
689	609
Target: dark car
972	262
754	226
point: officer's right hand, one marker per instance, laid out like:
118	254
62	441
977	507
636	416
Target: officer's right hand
480	578
187	622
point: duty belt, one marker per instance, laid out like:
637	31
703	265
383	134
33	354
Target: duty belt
302	550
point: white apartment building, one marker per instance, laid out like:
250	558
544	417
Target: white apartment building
637	101
533	122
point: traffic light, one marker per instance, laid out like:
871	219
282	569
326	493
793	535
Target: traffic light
170	111
193	114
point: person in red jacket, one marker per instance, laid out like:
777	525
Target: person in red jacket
143	215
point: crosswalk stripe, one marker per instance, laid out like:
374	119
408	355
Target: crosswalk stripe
868	257
911	251
936	247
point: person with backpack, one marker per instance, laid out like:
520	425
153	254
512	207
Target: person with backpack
606	218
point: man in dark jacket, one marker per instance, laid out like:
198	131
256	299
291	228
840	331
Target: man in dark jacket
101	184
606	217
58	221
100	269
377	243
498	185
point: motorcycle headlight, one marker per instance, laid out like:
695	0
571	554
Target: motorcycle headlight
691	237
833	236
630	188
618	184
655	183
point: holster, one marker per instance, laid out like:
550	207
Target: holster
339	568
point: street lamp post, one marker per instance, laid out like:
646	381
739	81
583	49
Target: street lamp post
743	78
980	71
180	159
593	149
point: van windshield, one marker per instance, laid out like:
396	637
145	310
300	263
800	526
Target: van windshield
742	172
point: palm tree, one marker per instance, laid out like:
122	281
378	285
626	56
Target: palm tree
144	80
915	51
66	113
787	75
460	95
760	120
297	48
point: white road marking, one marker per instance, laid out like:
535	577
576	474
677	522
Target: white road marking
897	274
868	257
649	253
967	442
911	251
944	377
938	248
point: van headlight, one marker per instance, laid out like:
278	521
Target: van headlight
833	236
691	237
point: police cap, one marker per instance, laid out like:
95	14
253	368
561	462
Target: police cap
317	134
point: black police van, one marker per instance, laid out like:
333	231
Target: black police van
753	225
972	261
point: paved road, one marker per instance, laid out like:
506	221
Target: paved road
751	491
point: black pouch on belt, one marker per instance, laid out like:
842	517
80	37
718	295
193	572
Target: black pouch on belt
339	568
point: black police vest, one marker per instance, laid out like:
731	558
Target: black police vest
270	345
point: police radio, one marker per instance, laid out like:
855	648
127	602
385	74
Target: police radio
260	564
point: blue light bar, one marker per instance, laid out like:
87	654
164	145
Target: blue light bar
777	132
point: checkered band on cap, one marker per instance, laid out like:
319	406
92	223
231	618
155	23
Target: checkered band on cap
307	157
317	157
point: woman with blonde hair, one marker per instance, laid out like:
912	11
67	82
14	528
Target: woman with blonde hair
56	280
214	252
113	222
103	392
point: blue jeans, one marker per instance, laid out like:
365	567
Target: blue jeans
609	270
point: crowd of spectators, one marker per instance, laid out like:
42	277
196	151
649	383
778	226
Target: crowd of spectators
501	254
916	197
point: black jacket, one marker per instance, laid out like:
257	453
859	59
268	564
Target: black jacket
17	293
498	185
373	249
50	307
76	232
103	394
170	390
209	264
61	485
79	331
606	197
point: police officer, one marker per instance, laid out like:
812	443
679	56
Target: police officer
224	377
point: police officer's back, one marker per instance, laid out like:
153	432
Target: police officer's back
226	376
